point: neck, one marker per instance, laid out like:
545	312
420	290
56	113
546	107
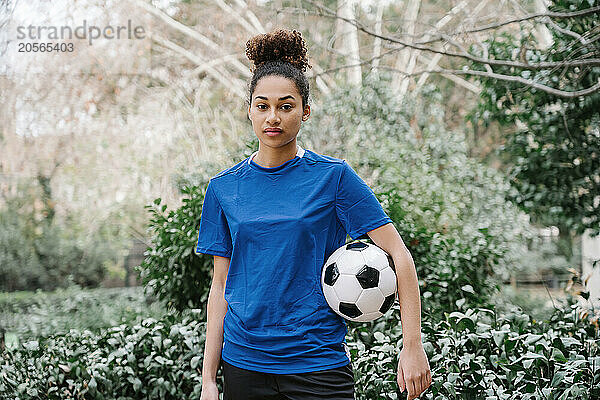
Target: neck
270	157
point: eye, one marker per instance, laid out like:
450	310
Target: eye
288	105
259	106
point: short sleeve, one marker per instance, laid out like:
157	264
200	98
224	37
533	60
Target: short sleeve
357	208
213	237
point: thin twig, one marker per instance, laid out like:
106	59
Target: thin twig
468	56
492	75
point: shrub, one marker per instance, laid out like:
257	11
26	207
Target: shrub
473	354
479	354
171	270
30	315
45	254
151	360
19	264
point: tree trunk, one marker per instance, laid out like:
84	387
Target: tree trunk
377	41
2	339
590	266
543	34
347	40
409	19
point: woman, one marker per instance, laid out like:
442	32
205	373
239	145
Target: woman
271	221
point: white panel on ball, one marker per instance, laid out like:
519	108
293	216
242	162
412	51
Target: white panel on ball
370	299
367	317
347	288
375	257
387	281
335	255
350	262
330	294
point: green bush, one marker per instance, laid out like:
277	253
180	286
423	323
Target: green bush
30	315
39	253
475	354
479	354
171	270
151	360
64	258
551	145
19	264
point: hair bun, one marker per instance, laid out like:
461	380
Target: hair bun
281	44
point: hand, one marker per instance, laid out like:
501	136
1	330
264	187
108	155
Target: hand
413	370
209	391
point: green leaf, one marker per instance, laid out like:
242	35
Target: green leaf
194	362
569	341
532	338
558	355
557	379
498	337
468	289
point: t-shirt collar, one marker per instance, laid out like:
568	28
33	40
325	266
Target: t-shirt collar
299	153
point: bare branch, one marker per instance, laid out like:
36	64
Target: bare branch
406	59
348	40
575	35
508	78
237	17
244	70
362	63
377	41
439	25
432	63
556	15
251	16
233	84
467	56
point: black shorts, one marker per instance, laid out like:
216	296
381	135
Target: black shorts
332	384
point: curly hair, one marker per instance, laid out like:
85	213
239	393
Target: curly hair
281	52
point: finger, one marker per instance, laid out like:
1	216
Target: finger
401	381
411	388
423	383
418	386
429	379
416	390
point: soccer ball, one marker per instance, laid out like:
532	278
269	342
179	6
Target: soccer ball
359	281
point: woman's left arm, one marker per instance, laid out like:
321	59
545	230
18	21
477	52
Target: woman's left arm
414	373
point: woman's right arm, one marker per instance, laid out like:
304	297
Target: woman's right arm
216	309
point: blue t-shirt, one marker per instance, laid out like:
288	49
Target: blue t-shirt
278	226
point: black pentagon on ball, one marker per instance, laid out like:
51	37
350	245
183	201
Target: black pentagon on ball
391	262
387	303
356	246
349	310
368	277
331	274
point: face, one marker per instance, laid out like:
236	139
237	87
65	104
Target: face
276	111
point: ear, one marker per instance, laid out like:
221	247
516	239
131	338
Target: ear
306	113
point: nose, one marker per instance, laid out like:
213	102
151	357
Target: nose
272	117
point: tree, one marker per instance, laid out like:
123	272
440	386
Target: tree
554	152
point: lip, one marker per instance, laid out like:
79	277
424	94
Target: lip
273	131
